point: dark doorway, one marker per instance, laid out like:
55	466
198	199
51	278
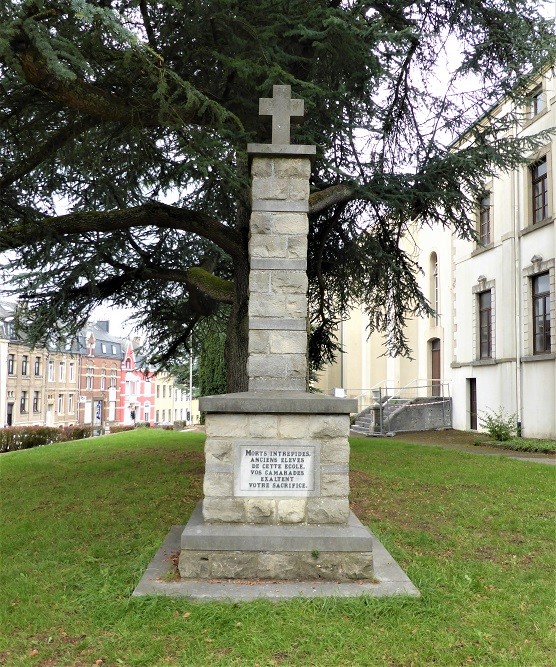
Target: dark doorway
472	382
435	366
10	414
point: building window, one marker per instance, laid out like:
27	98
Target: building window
163	391
51	371
70	404
434	289
60	403
89	377
539	183
36	401
485	325
103	380
484	220
436	293
62	371
23	407
114	350
24	365
11	364
538	103
541	313
113	375
72	372
37	366
103	348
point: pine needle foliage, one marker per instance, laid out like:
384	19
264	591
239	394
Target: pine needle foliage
124	125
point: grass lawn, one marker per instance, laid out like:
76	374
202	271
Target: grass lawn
81	521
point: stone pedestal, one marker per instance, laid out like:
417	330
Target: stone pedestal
277	458
276	492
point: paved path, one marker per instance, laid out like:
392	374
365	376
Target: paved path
456	440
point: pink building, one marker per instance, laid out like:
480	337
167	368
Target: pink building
136	391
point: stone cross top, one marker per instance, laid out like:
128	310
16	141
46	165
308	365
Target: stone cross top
281	107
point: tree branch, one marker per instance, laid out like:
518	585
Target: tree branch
210	285
143	6
46	150
331	196
103	105
153	214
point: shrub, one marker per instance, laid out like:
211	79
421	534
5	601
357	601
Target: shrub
14	438
74	433
120	429
499	424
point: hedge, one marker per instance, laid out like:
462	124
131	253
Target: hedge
13	438
120	429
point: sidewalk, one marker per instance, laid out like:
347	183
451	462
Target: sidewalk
463	441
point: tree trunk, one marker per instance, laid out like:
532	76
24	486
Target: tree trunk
237	334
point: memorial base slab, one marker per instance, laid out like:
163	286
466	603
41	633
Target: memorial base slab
275	552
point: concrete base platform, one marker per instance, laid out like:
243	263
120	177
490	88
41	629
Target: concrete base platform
298	552
200	536
391	580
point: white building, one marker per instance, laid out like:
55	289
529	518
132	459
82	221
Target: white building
492	344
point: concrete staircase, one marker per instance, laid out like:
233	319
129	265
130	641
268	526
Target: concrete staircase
403	414
364	422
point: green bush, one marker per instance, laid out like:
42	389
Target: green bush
14	438
120	429
499	424
74	433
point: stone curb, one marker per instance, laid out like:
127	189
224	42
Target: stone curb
392	581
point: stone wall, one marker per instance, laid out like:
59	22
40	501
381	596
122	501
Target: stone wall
421	415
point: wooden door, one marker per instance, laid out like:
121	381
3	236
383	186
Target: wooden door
472	403
435	366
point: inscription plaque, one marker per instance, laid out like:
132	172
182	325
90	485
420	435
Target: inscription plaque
276	470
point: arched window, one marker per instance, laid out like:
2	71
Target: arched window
434	296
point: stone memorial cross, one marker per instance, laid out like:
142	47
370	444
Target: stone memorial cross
277	458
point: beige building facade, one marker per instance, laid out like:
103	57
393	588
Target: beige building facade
41	387
172	402
492	343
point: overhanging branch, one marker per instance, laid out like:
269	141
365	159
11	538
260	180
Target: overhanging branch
102	105
331	196
152	214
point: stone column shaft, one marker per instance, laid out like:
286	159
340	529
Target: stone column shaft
278	277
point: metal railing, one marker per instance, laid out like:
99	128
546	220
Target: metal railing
384	399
